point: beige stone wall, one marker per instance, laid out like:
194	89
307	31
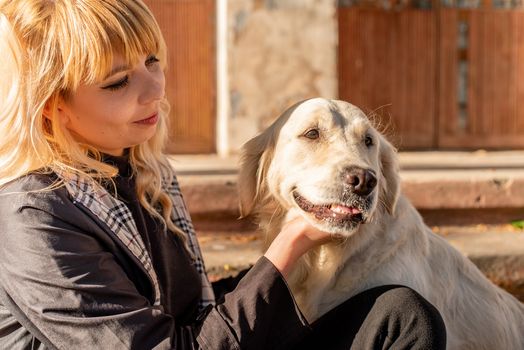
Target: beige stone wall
279	52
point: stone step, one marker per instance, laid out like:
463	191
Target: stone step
498	251
454	192
442	197
448	188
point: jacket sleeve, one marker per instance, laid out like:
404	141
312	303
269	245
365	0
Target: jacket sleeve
260	313
70	291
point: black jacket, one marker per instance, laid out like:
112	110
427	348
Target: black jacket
68	282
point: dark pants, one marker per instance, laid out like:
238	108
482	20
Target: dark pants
386	317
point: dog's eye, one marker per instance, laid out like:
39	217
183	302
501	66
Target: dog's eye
368	141
312	134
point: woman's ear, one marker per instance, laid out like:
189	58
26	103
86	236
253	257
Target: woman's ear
389	165
56	105
48	108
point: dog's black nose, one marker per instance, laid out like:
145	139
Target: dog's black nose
361	181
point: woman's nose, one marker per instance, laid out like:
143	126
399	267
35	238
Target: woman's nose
153	88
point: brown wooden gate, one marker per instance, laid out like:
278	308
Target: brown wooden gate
443	76
189	30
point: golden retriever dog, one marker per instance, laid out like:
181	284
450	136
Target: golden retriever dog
323	159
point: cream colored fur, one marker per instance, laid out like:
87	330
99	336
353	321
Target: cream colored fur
393	246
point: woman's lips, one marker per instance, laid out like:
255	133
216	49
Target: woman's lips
149	121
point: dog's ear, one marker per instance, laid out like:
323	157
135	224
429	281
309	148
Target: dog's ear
390	173
256	156
255	159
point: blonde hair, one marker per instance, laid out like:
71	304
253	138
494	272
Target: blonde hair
49	48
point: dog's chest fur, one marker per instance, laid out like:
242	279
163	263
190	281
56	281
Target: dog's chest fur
329	274
402	250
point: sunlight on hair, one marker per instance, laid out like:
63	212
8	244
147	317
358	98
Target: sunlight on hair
48	49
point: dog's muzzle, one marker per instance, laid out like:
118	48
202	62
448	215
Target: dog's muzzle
336	213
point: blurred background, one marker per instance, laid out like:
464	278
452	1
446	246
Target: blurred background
438	74
443	79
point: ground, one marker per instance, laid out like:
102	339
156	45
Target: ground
498	250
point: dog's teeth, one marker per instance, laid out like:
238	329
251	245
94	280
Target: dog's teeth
341	209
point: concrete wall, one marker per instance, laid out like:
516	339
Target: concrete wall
279	52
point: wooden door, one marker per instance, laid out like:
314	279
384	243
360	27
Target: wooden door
388	67
189	30
490	114
442	75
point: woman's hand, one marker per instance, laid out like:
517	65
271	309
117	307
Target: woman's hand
296	238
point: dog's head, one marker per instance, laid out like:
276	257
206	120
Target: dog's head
325	159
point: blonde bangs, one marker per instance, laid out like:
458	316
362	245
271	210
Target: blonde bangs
95	30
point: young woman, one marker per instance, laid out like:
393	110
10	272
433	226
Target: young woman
97	248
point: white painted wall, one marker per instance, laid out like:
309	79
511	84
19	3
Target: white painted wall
270	54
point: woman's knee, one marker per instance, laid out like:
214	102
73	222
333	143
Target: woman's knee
405	300
412	312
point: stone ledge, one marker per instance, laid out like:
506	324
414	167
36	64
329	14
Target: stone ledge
464	189
448	188
442	197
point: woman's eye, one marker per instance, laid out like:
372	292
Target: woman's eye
312	134
118	85
152	59
368	141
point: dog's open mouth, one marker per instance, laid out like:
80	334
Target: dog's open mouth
334	212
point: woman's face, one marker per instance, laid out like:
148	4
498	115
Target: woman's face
120	111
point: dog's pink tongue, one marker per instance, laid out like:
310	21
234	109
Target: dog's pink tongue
341	209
